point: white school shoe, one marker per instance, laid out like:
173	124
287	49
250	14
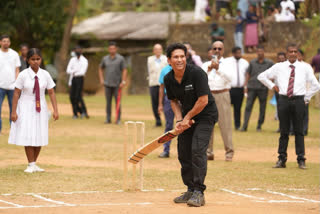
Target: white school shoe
29	169
37	169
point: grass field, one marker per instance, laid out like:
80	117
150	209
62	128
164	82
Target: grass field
86	155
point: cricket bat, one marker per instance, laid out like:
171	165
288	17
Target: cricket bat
149	147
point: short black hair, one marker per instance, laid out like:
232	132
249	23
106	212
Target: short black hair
235	49
33	51
24	45
301	52
112	43
5	36
291	45
260	47
175	46
281	54
214	25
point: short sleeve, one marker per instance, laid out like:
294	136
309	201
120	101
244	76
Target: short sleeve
123	64
19	83
201	83
17	61
169	91
102	64
50	83
249	68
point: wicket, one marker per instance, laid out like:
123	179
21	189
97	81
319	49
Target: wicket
138	129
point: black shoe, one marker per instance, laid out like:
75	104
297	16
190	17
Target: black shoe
302	164
237	128
84	115
164	155
258	129
278	130
210	157
280	164
183	198
74	117
107	121
197	199
243	129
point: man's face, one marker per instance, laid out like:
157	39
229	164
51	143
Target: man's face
292	54
112	49
5	43
237	54
24	50
178	60
260	53
157	50
218	49
281	58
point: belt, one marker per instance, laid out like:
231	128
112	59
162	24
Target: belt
292	98
219	91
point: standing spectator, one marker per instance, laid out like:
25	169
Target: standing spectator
200	10
220	83
254	88
30	114
192	57
209	53
217	33
226	4
315	63
23	58
243	5
287	11
251	33
155	64
238	34
77	69
165	107
113	76
291	78
9	70
238	68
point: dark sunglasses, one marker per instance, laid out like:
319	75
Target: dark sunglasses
217	49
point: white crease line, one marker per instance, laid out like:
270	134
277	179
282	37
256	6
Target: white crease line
253	189
279	201
50	200
13	204
293	197
241	194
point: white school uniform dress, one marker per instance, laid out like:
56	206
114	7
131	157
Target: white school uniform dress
31	127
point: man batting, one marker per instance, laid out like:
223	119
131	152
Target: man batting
190	97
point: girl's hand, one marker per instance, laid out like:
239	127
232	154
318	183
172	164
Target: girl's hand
55	115
14	116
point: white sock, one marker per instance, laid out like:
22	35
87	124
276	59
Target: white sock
32	163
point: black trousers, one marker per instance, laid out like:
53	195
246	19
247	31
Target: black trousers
262	95
291	109
154	93
78	105
192	148
236	95
109	93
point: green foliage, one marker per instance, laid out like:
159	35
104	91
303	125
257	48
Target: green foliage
35	22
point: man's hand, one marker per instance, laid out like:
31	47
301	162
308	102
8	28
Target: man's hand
215	65
55	115
183	125
160	108
276	88
14	116
101	82
122	84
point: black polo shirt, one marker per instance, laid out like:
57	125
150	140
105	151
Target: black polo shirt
194	84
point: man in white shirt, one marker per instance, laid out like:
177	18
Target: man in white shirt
291	79
156	63
9	71
238	68
220	84
77	69
287	12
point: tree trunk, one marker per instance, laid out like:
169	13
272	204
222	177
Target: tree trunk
62	56
213	10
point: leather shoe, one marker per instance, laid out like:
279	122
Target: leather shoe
164	155
210	157
243	129
302	165
280	164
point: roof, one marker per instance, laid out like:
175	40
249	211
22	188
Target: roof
129	25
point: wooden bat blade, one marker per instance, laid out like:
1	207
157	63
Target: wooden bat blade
146	149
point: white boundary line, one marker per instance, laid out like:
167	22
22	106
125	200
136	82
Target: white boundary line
52	201
241	194
293	197
13	204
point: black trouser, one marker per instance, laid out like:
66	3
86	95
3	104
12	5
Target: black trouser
76	99
109	92
291	109
262	95
192	148
236	95
154	92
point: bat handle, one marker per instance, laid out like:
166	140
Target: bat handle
191	122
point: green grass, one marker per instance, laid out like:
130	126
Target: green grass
87	155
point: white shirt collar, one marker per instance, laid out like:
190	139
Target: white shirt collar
33	74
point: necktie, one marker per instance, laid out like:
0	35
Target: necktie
36	90
238	75
291	82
